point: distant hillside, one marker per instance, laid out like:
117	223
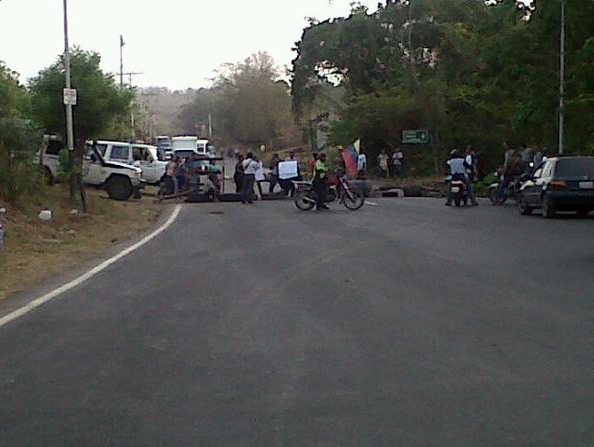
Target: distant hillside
164	106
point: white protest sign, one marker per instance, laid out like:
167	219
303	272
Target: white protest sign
287	170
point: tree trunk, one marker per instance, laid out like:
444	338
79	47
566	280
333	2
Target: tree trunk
78	159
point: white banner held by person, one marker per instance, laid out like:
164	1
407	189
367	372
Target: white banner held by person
287	170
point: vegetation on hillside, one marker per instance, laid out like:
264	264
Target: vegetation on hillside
469	71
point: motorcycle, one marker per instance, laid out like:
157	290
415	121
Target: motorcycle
458	188
338	189
513	187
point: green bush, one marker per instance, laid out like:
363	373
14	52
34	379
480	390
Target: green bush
19	172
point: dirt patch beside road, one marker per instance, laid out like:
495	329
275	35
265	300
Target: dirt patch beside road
35	250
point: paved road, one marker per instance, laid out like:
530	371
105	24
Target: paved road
404	324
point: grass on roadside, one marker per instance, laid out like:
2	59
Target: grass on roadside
35	250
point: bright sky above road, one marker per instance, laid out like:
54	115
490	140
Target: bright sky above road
176	43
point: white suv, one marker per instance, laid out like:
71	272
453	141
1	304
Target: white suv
119	179
143	156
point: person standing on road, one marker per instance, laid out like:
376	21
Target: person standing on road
250	167
397	161
382	160
238	175
171	170
319	182
470	163
273	173
289	186
361	164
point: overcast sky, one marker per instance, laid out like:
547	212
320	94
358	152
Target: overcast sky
176	43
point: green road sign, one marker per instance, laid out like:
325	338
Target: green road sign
416	136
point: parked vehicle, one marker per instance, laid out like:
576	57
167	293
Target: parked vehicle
459	191
120	180
190	143
143	156
338	189
49	157
559	184
163	143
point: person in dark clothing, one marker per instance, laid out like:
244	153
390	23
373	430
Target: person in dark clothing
319	182
238	176
273	173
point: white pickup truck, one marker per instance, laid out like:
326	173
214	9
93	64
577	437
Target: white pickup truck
143	156
120	180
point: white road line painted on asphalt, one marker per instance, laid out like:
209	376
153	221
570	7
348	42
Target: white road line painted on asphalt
88	275
367	202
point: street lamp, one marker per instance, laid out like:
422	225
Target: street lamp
69	125
562	80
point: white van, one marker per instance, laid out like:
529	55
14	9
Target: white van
190	143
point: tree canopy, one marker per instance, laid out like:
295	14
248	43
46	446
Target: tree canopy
249	104
470	71
100	101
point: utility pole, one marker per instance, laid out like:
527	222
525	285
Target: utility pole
562	81
122	43
69	121
75	178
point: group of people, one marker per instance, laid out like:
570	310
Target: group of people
185	174
249	171
391	165
516	163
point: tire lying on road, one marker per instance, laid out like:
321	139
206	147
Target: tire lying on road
118	187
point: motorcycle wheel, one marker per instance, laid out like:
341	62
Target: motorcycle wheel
493	196
303	201
457	201
353	200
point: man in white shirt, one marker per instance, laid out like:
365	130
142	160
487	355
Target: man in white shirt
458	166
250	167
362	163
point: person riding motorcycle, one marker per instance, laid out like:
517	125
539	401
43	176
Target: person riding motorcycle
458	166
512	167
319	182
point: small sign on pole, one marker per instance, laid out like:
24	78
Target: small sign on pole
70	96
415	136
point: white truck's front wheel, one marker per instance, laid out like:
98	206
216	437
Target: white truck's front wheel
119	188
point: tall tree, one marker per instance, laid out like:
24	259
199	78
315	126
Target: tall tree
19	139
100	101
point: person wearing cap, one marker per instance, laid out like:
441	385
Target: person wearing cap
319	182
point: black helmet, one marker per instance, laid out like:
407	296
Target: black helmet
454	153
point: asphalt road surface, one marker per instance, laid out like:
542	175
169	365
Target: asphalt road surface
403	324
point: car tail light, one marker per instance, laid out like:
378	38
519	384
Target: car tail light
558	184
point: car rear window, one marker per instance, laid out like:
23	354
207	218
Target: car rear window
575	167
54	147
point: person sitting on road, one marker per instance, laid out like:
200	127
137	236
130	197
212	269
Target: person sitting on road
457	167
319	182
